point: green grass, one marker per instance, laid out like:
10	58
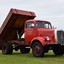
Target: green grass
18	58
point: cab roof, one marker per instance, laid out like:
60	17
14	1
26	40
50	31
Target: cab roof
33	20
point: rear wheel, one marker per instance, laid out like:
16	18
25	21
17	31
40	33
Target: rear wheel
37	49
24	49
7	48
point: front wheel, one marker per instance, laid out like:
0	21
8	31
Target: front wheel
37	49
58	50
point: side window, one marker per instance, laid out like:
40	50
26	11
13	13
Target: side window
30	25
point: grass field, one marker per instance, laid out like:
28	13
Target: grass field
18	58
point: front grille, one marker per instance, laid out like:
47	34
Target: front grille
60	36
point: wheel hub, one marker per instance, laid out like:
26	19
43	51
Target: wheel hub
37	49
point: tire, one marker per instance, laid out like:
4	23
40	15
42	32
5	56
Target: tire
37	49
7	48
24	50
58	50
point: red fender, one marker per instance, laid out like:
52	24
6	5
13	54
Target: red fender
40	39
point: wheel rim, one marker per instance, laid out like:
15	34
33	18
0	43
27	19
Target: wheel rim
37	50
4	50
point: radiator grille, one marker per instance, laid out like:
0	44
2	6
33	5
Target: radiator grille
60	36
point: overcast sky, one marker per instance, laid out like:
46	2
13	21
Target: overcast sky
51	10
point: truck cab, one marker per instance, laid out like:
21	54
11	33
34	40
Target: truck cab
42	37
39	30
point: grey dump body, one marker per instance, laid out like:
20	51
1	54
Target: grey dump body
14	22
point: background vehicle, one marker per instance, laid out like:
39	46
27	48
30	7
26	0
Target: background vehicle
38	35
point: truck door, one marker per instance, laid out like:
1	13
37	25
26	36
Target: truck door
30	31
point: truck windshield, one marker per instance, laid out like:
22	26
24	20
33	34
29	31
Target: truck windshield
41	24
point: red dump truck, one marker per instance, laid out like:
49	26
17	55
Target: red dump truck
38	34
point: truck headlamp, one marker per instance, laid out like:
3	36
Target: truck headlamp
47	38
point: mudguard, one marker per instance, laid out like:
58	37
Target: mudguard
40	39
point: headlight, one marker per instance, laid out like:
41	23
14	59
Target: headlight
47	38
